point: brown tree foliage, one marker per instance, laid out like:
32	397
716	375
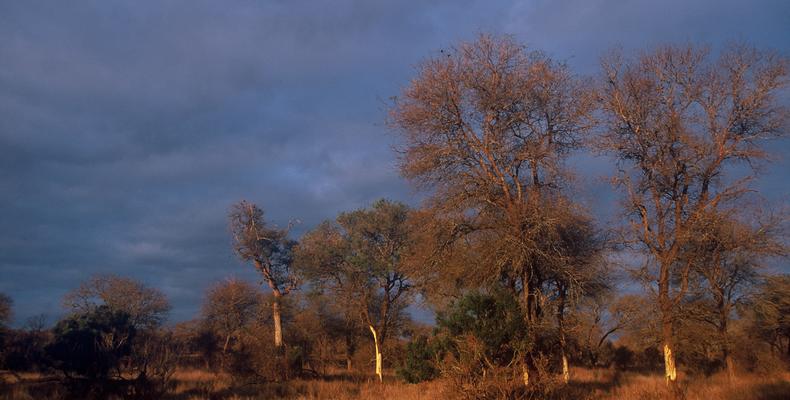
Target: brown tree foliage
677	121
486	127
270	250
230	308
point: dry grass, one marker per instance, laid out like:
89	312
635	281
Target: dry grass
586	384
194	385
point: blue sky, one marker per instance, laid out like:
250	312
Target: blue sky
127	128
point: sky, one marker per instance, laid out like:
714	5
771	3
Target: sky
128	128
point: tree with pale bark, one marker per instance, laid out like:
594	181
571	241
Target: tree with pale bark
358	258
678	123
270	250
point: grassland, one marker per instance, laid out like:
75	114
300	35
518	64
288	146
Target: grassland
586	384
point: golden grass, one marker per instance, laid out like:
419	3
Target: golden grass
585	384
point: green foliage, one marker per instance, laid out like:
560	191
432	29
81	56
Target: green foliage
495	319
92	344
420	362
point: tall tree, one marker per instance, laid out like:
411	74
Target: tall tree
270	250
147	307
486	127
359	259
677	122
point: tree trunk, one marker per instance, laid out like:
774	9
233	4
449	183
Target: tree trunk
725	346
667	330
561	327
278	328
350	348
670	369
378	353
225	346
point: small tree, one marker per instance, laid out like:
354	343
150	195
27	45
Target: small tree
359	259
771	306
147	307
270	250
728	253
92	344
231	306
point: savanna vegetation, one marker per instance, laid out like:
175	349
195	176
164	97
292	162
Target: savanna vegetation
534	296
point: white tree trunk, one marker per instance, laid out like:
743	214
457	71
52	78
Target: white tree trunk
566	376
278	328
378	353
525	376
669	365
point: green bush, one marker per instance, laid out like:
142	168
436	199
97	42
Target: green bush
419	364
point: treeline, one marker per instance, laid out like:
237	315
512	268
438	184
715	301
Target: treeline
525	282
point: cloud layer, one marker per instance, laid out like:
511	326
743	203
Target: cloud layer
128	128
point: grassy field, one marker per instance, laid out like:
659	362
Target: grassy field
586	384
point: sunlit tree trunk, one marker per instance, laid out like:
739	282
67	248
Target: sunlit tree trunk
278	328
670	369
378	353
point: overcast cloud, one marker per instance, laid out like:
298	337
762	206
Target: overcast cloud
127	128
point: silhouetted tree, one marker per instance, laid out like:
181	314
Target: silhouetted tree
147	307
92	344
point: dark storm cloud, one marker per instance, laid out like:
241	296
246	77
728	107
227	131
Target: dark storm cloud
128	128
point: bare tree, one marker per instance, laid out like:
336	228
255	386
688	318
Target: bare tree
359	259
677	122
270	250
231	306
147	307
771	307
729	248
602	316
486	128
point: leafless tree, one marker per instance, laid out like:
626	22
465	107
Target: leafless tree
678	122
729	248
230	307
771	308
147	307
270	250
